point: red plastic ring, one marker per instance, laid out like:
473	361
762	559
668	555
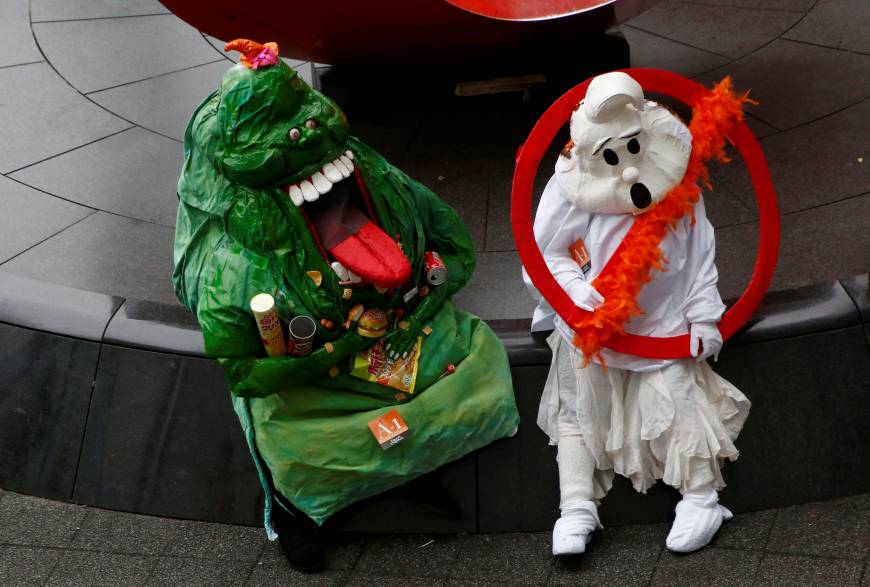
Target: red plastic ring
529	158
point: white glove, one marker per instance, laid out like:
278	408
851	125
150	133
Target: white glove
707	333
584	295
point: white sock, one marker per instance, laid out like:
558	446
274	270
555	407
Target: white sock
698	518
579	513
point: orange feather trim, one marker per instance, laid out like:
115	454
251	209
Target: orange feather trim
630	267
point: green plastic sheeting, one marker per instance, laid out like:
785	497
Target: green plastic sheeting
238	234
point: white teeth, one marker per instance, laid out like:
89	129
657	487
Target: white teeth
296	195
308	191
347	162
341	271
332	173
349	154
380	290
354	278
342	168
321	184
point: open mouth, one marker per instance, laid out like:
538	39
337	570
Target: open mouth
337	206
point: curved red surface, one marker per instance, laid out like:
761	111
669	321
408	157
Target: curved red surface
527	9
529	157
367	31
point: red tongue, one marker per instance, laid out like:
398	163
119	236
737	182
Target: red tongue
374	256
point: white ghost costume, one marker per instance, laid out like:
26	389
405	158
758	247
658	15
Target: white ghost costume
645	419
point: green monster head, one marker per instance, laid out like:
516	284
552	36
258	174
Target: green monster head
275	129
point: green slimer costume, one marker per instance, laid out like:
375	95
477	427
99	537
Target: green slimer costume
239	233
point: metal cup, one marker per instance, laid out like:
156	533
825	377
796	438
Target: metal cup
302	329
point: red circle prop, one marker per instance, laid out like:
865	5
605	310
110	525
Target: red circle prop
529	157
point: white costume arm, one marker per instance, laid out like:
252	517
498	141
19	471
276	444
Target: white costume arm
703	303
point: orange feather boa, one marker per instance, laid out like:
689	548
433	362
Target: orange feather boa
621	280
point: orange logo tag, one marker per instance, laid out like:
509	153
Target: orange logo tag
390	429
580	255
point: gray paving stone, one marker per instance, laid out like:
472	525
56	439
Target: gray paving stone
170	571
78	567
819	163
413	555
81	9
746	531
841	24
133	173
796	83
18	44
219	47
30	216
780	570
648	50
33	521
711	567
821	530
279	573
758	128
496	290
519	558
860	502
724	30
625	569
217	541
342	551
794	5
164	104
365	580
121	532
24	565
105	253
42	116
811	247
127	49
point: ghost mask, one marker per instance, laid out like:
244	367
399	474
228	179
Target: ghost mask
625	153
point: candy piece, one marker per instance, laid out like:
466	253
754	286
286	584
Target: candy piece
327	324
316	277
347	293
334	372
404	325
427	330
328	346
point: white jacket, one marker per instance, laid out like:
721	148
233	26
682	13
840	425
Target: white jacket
685	293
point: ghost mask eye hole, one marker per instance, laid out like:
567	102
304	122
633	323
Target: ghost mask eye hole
310	124
610	157
293	134
633	147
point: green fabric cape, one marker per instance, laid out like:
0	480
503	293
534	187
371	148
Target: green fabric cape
236	237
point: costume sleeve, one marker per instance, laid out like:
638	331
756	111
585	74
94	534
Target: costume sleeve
558	224
703	303
231	336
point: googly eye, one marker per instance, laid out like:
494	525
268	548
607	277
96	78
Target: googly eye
633	147
293	134
610	157
310	124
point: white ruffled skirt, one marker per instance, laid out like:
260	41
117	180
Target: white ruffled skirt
677	424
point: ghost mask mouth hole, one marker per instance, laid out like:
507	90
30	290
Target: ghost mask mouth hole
640	196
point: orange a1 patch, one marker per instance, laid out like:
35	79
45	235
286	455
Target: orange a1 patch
390	429
581	255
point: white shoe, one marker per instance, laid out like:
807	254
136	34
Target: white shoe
573	530
699	517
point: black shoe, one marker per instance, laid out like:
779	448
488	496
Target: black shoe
299	539
429	492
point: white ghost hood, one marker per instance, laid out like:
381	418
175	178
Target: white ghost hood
625	153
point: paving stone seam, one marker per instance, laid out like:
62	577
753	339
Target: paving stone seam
223	54
70	150
661	36
716	5
20	64
51	236
803	42
793	212
116	17
85	96
145	79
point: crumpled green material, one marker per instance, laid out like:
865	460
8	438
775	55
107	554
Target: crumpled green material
238	234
